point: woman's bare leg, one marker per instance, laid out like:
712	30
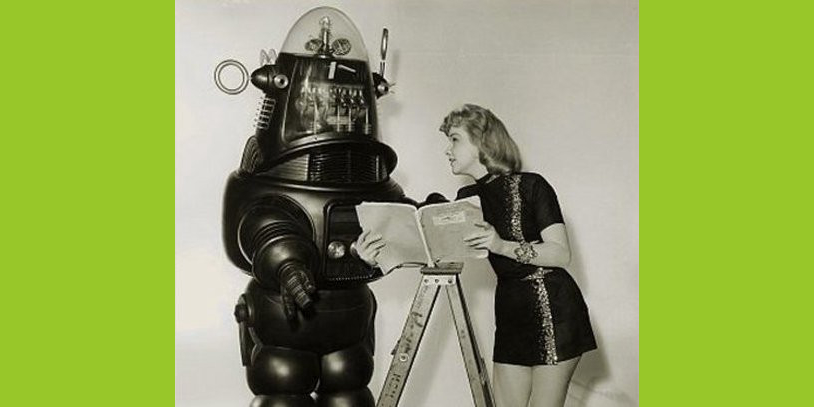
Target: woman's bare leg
550	383
512	385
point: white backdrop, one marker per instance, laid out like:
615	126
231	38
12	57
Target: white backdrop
562	75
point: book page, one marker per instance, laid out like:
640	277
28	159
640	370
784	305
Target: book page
445	226
396	223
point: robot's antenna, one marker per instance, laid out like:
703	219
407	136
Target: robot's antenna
268	58
385	35
244	79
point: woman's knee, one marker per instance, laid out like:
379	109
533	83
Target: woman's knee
550	383
512	385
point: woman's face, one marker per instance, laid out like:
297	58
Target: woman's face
462	154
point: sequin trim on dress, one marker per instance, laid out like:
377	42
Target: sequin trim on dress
542	308
514	204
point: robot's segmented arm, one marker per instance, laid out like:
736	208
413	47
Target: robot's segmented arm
281	254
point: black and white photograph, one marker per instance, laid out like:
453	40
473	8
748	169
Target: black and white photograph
407	203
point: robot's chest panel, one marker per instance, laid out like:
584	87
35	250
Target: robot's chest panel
341	230
334	226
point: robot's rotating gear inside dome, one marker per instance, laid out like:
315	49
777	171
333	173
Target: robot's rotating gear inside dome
324	46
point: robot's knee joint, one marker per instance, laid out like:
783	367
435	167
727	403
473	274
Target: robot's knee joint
279	370
346	369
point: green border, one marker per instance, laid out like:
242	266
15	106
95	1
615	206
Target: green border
87	158
88	197
725	180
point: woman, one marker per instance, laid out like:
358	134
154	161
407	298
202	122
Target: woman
542	320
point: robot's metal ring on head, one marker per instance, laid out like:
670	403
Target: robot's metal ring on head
244	79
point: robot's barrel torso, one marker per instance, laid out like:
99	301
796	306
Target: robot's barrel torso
328	212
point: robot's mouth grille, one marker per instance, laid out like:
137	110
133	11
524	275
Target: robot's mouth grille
347	166
343	166
295	169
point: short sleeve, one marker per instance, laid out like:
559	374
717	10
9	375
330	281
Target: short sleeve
466	192
544	200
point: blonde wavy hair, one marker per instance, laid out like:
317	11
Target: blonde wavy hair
496	149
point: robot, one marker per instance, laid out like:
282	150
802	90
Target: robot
289	221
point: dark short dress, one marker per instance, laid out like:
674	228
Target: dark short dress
540	313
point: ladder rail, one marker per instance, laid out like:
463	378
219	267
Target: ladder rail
470	351
433	278
408	343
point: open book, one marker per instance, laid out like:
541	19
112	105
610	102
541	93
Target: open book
423	236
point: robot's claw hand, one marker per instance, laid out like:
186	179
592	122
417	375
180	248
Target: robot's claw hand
310	288
297	289
289	308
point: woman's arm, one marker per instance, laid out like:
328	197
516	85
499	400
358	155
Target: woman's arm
554	251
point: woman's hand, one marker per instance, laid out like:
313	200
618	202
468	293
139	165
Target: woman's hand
368	246
487	239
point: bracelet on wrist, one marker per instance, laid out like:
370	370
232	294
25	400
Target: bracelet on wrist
525	253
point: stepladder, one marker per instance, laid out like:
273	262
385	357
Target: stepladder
446	276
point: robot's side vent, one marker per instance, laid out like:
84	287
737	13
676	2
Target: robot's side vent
348	166
264	111
338	166
252	157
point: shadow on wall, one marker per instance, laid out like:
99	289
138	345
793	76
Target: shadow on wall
586	386
576	268
593	369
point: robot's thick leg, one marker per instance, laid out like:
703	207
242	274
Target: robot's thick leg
345	376
282	377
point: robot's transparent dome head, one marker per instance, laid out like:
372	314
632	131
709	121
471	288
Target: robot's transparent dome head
328	32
